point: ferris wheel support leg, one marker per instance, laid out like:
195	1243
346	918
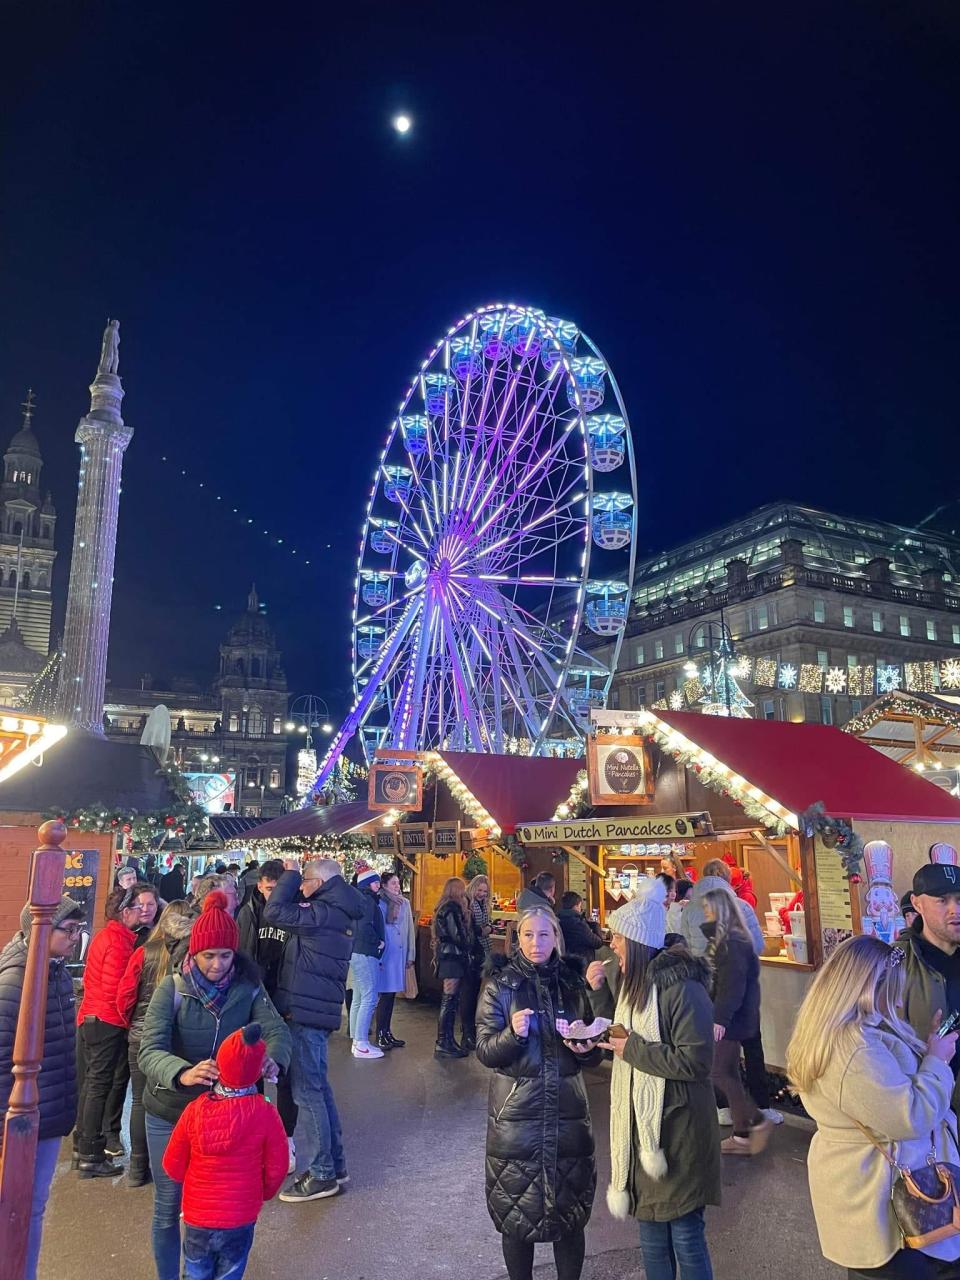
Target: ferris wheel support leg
364	702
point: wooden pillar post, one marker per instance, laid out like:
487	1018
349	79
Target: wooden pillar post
22	1120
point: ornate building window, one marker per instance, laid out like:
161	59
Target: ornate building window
274	777
255	722
276	724
234	722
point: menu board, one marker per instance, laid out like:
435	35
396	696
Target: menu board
833	897
577	878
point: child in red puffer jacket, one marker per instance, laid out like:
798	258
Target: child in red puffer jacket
229	1150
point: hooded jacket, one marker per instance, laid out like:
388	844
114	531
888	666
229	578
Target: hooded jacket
317	953
179	1032
689	1136
530	898
231	1155
57	1081
261	941
106	963
540	1170
139	981
693	916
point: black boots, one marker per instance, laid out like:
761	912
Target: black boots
90	1160
447	1047
386	1040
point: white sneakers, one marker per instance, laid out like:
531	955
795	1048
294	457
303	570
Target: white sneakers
725	1118
292	1163
361	1049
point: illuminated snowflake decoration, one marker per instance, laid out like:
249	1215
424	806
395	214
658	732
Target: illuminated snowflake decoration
741	668
788	676
835	680
950	673
888	678
676	700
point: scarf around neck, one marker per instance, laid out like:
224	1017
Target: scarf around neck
636	1106
394	903
212	995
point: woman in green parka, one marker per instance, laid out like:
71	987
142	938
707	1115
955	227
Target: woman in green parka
217	991
664	1139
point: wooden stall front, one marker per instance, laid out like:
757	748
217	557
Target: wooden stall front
487	795
735	789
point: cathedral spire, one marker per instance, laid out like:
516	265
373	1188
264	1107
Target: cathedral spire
28	407
253	600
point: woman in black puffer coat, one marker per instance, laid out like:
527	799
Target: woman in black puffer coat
540	1169
454	957
57	1081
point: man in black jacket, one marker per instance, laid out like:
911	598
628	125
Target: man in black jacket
320	912
57	1081
581	937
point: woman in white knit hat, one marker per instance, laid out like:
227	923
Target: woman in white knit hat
664	1139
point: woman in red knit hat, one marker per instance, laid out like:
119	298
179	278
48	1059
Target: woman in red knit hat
229	1149
217	991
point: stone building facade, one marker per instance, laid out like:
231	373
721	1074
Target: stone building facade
238	723
27	528
803	589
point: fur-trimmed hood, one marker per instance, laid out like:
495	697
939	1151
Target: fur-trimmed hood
678	965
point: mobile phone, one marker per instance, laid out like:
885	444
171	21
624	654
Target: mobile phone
948	1024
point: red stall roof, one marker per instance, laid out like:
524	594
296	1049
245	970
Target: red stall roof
515	789
324	820
799	764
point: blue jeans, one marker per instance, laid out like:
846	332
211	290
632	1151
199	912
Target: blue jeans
216	1254
47	1151
676	1248
167	1195
366	982
318	1117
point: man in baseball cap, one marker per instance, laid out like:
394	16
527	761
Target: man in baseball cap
931	947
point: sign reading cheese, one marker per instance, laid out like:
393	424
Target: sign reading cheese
616	830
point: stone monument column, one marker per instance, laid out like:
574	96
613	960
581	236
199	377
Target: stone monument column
103	437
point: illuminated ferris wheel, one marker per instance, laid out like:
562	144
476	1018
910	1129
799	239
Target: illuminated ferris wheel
500	531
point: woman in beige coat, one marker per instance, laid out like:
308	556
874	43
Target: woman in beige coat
857	1063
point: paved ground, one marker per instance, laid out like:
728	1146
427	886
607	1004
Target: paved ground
415	1207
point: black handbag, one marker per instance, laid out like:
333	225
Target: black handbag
926	1201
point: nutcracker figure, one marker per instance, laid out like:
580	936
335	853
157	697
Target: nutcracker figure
881	915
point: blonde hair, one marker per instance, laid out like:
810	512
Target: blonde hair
861	980
543	914
727	914
475	884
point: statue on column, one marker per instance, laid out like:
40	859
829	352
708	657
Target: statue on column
110	348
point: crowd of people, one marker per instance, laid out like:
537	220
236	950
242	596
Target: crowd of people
204	1003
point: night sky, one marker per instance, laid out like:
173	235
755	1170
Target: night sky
751	209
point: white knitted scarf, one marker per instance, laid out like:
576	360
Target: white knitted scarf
636	1098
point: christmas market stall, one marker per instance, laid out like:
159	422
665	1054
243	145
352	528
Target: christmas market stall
821	831
117	801
919	730
459	819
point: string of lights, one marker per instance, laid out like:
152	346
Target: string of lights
230	511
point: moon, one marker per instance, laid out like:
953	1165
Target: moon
402	123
